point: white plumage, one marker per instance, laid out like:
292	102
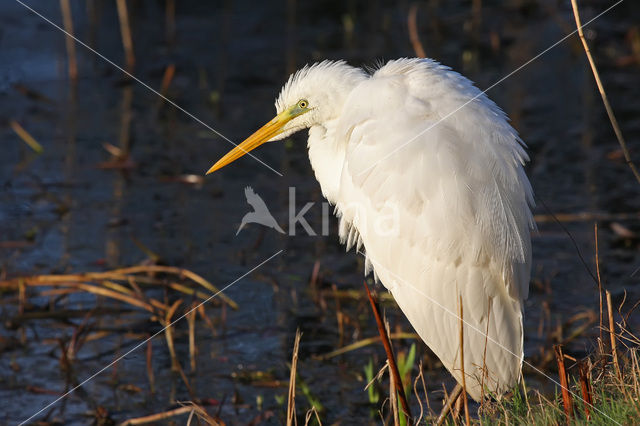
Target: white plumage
427	178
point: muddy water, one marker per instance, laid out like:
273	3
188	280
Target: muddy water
70	209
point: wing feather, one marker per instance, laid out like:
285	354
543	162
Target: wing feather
441	205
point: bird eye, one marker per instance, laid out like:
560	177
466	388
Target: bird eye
302	103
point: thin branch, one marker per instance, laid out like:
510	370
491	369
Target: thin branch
567	401
387	347
451	399
605	100
413	31
125	32
157	417
484	353
70	45
291	400
585	387
612	335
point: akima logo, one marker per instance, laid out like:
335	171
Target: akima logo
260	213
384	222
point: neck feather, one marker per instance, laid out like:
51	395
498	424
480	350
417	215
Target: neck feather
327	158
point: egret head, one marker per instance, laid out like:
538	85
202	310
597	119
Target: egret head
312	96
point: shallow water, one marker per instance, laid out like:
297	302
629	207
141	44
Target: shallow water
66	211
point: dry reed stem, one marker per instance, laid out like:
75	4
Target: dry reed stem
445	398
464	380
378	375
526	396
202	413
567	401
22	296
190	275
620	376
110	293
313	286
634	367
485	370
315	274
129	274
191	414
175	364
424	386
365	342
415	392
312	411
169	333
167	78
393	399
26	137
585	387
636	371
206	319
612	336
125	31
595	231
291	398
458	408
357	295
603	94
135	291
189	291
191	321
387	347
153	418
413	31
451	399
68	40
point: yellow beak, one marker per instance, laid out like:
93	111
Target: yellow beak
262	135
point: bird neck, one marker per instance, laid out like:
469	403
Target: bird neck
327	157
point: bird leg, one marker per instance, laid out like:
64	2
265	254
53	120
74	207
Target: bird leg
453	397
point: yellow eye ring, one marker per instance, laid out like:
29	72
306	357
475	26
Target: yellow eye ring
302	104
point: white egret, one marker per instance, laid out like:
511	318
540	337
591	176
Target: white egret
418	144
